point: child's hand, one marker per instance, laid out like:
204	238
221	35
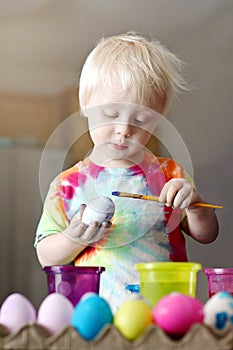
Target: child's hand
80	233
178	193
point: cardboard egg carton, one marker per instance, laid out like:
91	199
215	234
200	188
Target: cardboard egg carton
36	337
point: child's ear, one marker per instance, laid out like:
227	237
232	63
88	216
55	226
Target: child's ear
162	105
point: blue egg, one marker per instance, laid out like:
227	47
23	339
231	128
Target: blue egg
91	315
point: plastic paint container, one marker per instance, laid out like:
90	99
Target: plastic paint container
219	280
158	279
73	281
133	288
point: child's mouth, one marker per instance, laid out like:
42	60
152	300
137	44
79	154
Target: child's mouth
118	147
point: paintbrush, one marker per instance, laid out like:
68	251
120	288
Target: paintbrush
155	198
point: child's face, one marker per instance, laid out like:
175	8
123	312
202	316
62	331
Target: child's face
119	127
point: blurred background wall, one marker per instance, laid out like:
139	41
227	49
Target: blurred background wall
43	45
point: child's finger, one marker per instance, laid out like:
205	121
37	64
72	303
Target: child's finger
97	232
90	232
103	229
182	199
163	194
169	192
79	214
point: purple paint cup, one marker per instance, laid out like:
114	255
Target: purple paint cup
219	280
73	281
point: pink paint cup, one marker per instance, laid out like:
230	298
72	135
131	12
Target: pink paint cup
219	280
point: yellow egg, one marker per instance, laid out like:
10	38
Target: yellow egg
132	318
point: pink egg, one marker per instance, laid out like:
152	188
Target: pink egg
176	313
55	312
16	312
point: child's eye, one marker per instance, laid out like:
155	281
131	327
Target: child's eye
111	115
138	121
142	119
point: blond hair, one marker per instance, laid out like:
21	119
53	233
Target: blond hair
144	67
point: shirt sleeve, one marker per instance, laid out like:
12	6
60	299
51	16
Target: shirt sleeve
172	169
53	219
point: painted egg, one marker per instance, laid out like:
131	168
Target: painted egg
175	313
91	315
99	209
55	313
133	317
16	312
218	312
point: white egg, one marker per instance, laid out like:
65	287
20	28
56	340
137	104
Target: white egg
218	312
16	312
99	209
55	312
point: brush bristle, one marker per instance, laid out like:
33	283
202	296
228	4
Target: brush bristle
115	193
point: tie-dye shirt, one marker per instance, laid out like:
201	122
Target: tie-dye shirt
142	231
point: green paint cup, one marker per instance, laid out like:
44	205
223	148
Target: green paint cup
158	279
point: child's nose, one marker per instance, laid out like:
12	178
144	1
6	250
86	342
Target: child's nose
123	129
